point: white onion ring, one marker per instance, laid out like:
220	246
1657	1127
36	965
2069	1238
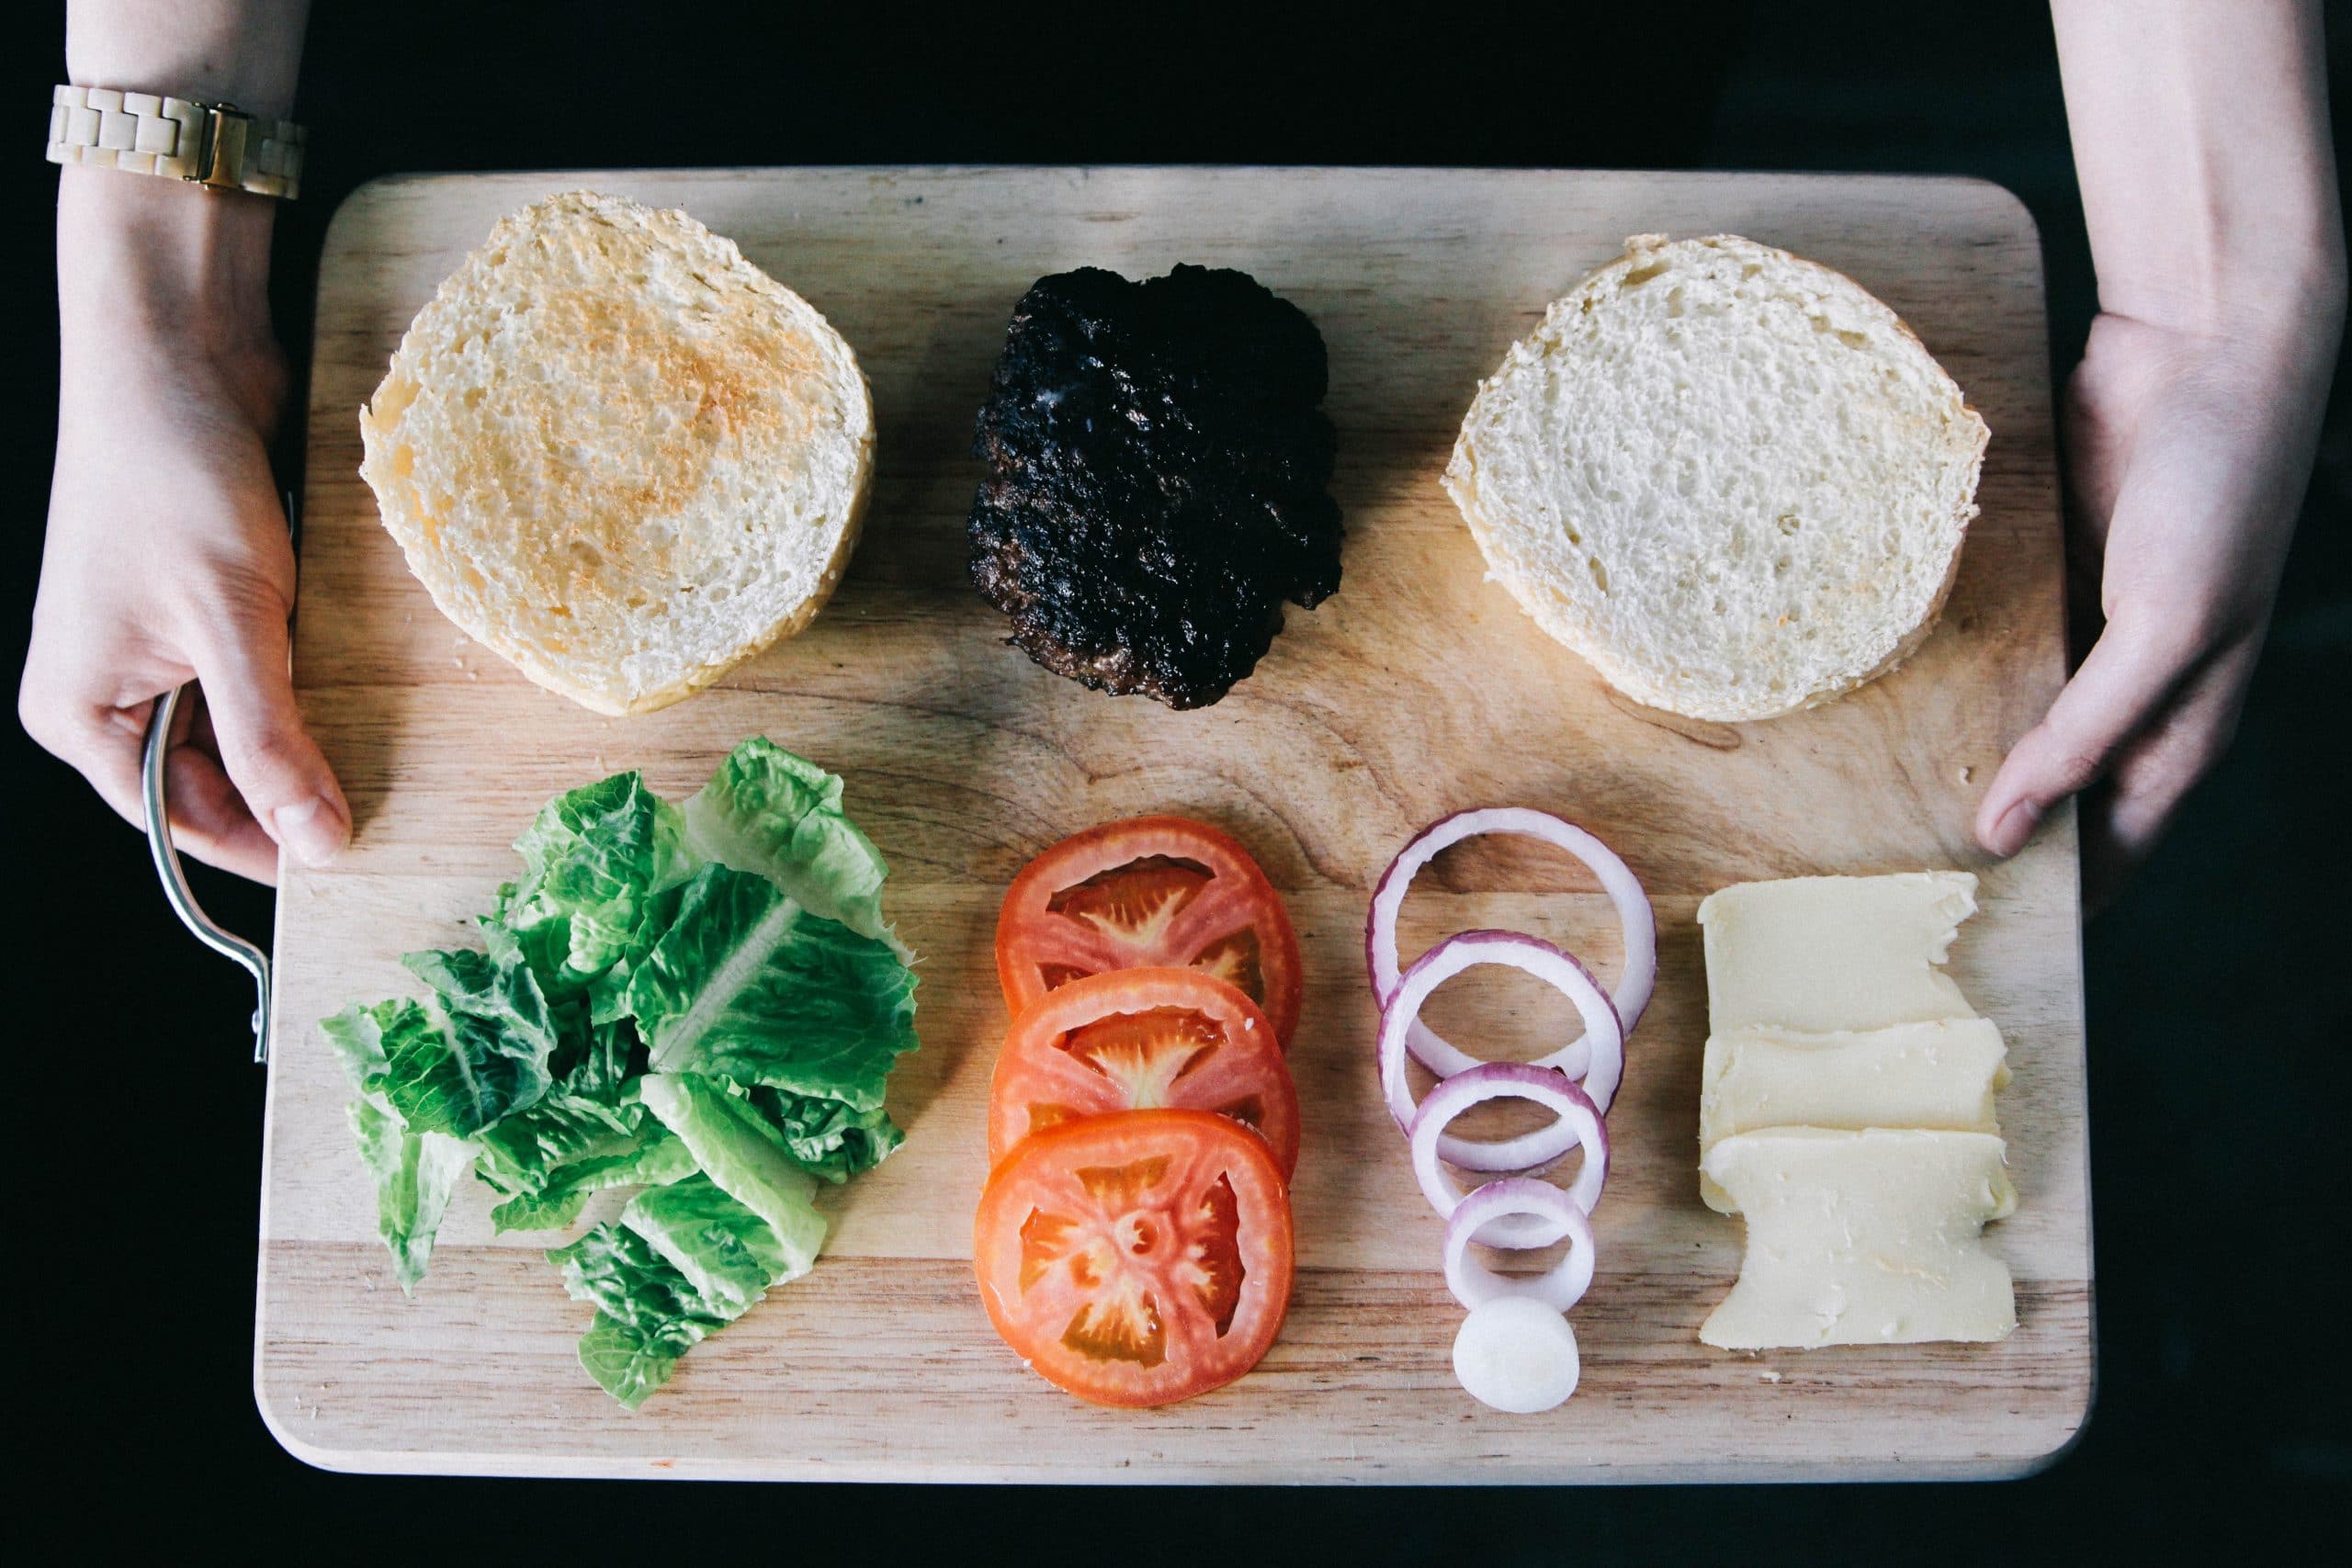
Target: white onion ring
1637	921
1561	1286
1518	1356
1494	1080
1604	1042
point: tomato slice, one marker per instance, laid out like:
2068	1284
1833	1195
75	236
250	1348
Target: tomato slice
1137	1039
1138	1258
1148	892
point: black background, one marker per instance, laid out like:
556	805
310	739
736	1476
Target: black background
2220	1086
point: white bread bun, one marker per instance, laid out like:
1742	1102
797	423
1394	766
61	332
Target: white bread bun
1729	478
618	454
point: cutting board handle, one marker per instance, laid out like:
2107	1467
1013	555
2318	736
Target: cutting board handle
175	876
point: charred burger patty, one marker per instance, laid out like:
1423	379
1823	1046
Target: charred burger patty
1156	465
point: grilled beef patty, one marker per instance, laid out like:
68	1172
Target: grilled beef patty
1156	465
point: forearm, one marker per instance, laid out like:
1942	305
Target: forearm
157	262
2200	133
240	52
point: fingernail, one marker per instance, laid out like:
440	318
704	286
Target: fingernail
312	832
2016	826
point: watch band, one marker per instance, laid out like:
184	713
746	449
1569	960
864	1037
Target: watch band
216	146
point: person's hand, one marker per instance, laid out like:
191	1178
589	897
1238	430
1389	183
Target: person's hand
168	555
2187	454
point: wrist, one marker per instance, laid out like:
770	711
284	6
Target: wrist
165	262
2279	293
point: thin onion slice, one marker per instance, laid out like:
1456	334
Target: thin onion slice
1561	1286
1637	920
1604	1037
1517	1356
1513	1080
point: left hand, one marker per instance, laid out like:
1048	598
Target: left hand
2187	454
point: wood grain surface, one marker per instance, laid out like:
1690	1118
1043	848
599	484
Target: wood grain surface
1418	690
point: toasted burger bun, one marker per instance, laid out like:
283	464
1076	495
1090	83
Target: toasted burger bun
618	454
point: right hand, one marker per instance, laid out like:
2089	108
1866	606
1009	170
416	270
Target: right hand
167	556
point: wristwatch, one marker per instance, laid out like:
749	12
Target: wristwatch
217	146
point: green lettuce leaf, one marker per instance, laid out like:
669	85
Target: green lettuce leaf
826	1137
415	1175
357	1036
647	1313
744	1159
747	985
618	1272
502	993
546	1162
518	1153
595	863
685	1260
660	1158
727	1253
630	1363
779	815
597	1060
459	1062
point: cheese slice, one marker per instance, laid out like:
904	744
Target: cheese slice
1938	1075
1816	955
1864	1238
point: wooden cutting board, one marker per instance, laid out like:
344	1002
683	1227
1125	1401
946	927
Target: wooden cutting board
1418	690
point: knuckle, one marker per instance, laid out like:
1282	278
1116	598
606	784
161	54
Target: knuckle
36	713
50	720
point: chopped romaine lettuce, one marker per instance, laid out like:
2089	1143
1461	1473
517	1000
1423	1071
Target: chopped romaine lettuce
595	862
415	1175
727	1253
747	985
647	1313
733	1149
769	812
474	1053
824	1135
701	1003
658	1159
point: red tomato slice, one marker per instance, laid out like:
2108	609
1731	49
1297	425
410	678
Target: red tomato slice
1138	1039
1148	891
1138	1258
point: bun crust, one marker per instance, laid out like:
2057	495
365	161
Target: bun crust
619	454
1729	478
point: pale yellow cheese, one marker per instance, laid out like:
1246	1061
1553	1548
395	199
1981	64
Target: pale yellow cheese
1938	1075
1817	954
1864	1238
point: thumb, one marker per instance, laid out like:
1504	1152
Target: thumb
269	756
2127	678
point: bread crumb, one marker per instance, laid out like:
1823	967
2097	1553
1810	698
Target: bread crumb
1966	774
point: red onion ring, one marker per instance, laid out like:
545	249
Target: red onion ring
1561	1286
1637	920
1496	1080
1605	1037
